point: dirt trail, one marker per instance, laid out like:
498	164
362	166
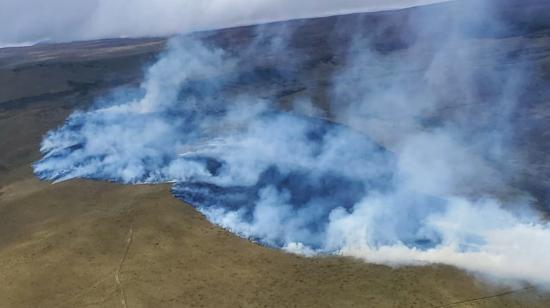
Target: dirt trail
473	300
121	263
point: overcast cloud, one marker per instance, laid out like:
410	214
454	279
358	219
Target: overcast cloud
27	21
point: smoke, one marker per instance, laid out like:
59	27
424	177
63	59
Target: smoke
410	172
66	20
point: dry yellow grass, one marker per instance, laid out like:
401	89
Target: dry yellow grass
63	245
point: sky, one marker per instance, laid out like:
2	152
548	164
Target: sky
28	21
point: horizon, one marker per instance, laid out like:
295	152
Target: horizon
99	24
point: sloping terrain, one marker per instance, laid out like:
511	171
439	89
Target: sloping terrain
85	243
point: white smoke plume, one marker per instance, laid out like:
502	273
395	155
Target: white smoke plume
311	186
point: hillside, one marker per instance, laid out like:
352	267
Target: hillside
87	243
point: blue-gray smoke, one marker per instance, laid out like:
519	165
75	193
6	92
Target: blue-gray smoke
310	185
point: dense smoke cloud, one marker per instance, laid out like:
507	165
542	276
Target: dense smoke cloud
383	184
65	20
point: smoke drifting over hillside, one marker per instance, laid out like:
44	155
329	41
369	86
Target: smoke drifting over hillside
312	186
66	20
